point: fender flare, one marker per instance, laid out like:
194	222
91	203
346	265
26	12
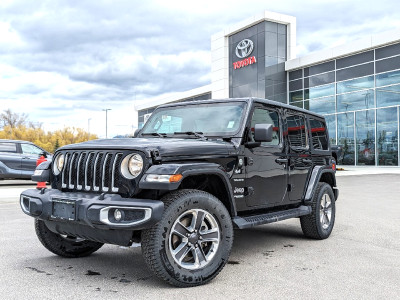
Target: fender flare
187	170
315	177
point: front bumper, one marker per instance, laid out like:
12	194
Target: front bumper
93	210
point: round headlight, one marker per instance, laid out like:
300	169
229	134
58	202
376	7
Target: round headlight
135	165
132	166
58	164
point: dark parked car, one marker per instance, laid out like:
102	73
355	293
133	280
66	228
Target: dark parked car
337	152
18	159
196	171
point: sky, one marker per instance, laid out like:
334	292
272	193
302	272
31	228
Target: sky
64	62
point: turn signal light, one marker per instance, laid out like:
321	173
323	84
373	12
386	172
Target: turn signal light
175	178
163	178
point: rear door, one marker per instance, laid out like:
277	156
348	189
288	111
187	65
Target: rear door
300	162
10	159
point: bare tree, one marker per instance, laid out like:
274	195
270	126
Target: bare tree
9	118
35	125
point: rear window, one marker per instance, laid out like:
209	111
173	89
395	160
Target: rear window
319	135
8	147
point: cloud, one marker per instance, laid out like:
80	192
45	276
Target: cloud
63	61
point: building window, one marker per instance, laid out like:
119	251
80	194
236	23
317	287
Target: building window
321	68
387	137
296	74
331	124
322	106
355	84
319	79
354	72
295	85
319	91
346	137
296	96
388	64
388	78
388	96
355	101
387	51
355	59
365	133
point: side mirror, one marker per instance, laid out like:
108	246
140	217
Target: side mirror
263	132
135	134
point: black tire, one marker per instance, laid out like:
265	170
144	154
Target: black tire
157	246
312	225
69	247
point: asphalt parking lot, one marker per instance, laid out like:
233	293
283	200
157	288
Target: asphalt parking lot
361	259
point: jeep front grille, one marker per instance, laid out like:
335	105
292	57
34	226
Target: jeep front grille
91	171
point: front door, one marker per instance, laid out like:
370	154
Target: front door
30	155
266	168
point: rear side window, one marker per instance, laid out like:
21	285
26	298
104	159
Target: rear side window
319	135
8	147
297	134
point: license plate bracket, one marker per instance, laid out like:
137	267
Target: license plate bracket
64	209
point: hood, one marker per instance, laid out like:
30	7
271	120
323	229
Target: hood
167	147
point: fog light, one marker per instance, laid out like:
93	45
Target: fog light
117	215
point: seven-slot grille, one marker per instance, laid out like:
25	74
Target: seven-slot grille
91	171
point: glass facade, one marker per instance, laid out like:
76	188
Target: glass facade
360	98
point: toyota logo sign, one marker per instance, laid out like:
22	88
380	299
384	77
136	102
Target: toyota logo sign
244	48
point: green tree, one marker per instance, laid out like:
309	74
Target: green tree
56	146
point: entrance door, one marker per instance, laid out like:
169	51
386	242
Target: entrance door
266	171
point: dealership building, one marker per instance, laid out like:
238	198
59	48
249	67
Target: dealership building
356	86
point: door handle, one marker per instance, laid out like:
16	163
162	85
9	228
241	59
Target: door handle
281	161
307	161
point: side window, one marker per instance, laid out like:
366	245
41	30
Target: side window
8	147
30	149
265	116
318	135
297	134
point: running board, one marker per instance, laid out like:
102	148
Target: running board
251	221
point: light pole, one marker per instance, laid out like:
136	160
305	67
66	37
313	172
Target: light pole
88	128
106	110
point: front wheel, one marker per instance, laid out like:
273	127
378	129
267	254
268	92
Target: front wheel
63	245
192	242
319	224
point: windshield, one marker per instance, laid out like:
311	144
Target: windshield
214	119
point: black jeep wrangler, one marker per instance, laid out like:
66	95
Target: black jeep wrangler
194	172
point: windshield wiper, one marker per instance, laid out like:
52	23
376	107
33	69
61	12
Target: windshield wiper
162	135
197	134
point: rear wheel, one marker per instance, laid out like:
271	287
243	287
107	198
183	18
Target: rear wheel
319	224
193	240
64	245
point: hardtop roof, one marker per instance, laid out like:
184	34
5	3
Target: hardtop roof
248	100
